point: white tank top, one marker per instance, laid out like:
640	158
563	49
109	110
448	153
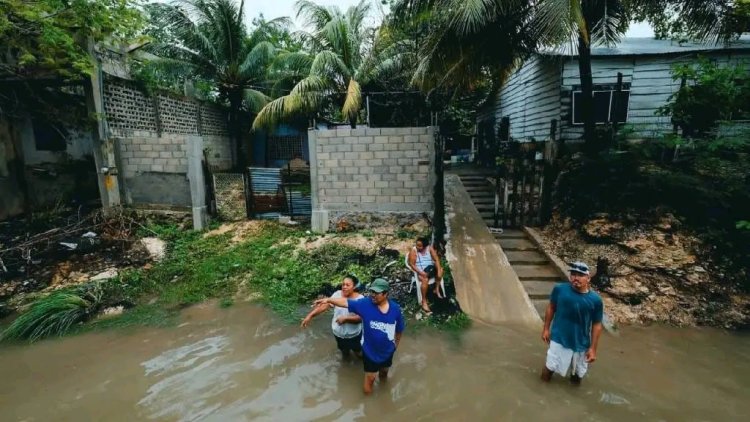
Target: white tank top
344	330
424	260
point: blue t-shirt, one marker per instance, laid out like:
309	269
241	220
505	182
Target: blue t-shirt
574	314
378	329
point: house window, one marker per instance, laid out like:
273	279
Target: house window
48	137
609	105
284	147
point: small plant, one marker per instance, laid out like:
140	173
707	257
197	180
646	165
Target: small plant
55	314
226	302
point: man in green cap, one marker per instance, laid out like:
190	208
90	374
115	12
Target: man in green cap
382	325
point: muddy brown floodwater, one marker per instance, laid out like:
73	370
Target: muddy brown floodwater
243	364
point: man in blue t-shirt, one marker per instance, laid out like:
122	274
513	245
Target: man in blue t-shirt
382	325
575	313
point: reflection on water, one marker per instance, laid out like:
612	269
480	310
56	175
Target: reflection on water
242	364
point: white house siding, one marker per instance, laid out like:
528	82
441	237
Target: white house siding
530	99
651	82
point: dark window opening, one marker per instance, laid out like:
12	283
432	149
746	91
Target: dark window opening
609	106
284	147
49	137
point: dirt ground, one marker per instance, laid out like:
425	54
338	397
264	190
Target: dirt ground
655	272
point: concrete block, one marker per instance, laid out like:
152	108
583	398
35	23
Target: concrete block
381	154
411	199
360	177
343	132
389	177
426	139
359	148
420	191
343	148
390	147
172	169
411	139
360	163
366	155
395	169
407	147
146	147
395	139
372	131
367	170
366	184
367	199
161	161
352	170
403	177
375	162
418	130
351	185
319	221
375	147
403	191
339	185
328	148
325	133
157	167
165	154
353	199
381	139
420	177
383	199
324	155
335	141
395	184
341	164
351	155
411	184
374	191
152	154
387	130
411	154
403	130
178	154
397	199
390	161
407	162
126	154
146	161
381	184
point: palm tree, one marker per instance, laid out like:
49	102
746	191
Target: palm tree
208	40
342	56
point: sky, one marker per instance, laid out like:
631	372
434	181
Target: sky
277	8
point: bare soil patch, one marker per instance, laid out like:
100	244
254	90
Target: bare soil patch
656	273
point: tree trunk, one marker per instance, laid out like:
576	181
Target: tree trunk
587	93
235	127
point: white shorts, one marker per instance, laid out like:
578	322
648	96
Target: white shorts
559	359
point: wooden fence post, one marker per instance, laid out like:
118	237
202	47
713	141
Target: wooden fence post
550	157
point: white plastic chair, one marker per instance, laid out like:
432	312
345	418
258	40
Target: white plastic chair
415	282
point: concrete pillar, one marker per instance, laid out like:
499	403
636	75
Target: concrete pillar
197	181
319	217
104	148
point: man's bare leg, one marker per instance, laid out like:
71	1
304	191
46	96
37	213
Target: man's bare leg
383	374
437	289
546	374
369	382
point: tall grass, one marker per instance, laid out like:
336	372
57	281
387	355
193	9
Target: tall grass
54	315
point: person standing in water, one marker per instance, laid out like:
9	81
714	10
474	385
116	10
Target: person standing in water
575	313
382	325
425	262
346	326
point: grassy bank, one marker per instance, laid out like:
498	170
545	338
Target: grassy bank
271	266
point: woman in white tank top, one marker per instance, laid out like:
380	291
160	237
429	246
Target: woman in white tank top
421	257
346	327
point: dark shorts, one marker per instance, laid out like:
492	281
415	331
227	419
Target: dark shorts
372	366
349	344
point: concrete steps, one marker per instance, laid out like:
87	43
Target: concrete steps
535	271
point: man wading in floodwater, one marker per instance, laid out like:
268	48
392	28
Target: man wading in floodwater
382	325
575	313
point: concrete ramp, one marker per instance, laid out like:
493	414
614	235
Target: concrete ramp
487	288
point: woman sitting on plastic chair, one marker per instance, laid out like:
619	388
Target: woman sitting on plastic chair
424	261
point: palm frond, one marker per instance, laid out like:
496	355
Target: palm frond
257	61
328	64
353	101
315	15
255	100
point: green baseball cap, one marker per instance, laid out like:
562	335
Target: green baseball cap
379	285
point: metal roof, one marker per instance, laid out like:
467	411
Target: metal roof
650	46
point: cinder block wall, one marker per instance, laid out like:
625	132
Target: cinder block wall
151	135
372	169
